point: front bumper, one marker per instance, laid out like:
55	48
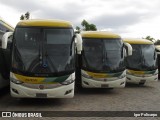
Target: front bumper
90	83
136	79
64	91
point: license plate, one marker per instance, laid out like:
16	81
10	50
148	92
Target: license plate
142	81
104	86
41	95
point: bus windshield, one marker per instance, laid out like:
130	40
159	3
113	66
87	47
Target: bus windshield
103	55
43	50
143	58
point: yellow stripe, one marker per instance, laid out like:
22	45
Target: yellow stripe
97	75
136	72
26	79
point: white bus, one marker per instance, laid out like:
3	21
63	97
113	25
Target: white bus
101	63
43	59
142	65
158	58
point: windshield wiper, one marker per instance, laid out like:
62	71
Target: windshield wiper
39	53
19	56
104	58
85	59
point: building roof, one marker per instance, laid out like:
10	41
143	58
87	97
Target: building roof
5	26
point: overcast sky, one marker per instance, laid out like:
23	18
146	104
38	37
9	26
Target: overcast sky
129	18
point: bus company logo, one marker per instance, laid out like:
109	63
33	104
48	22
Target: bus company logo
31	80
41	87
6	114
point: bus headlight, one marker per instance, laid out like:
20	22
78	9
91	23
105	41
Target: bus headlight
85	75
16	81
68	81
155	72
122	76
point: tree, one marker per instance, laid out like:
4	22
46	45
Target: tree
93	27
157	42
26	16
150	38
86	26
22	17
78	28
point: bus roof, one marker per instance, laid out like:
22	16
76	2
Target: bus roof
5	25
44	23
99	34
137	41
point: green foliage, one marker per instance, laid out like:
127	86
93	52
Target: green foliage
26	16
156	42
150	38
22	17
93	27
86	26
78	28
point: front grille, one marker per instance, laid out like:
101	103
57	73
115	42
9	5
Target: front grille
46	86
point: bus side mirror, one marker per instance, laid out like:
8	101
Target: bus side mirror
78	40
5	39
129	49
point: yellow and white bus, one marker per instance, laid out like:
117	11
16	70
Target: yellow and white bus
101	64
43	59
158	58
142	65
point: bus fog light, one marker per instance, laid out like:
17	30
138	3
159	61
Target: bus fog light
14	90
128	78
156	79
68	91
85	82
122	83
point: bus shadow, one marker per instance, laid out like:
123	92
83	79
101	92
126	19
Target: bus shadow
134	85
4	91
95	91
39	102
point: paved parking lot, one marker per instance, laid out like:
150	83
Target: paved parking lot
131	98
